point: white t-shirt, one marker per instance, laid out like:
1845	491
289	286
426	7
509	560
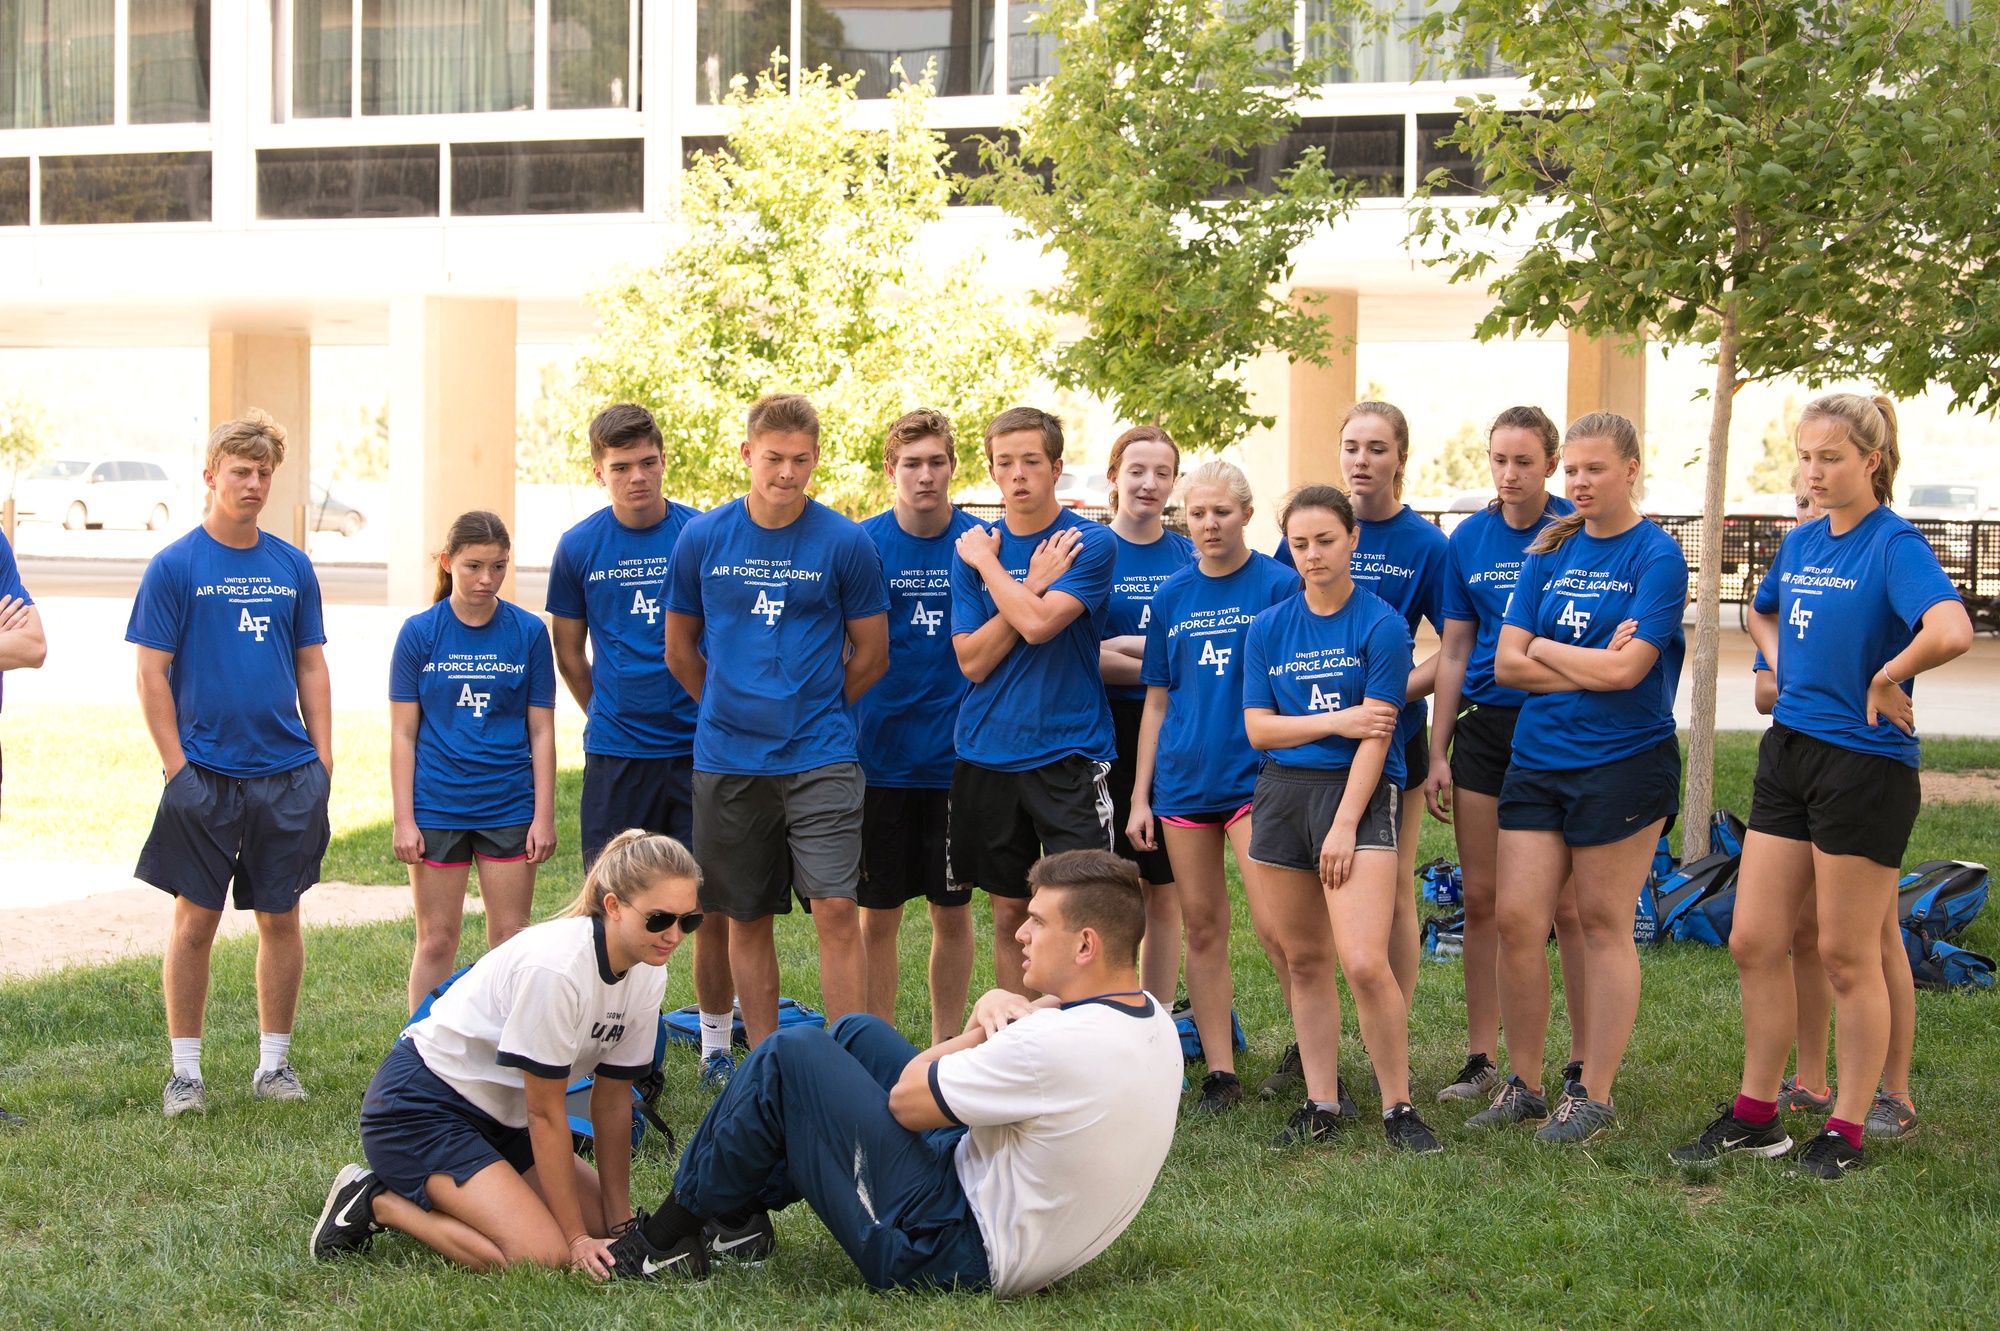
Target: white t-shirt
545	1001
1071	1112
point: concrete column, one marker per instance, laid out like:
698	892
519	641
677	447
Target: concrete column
1303	446
1608	374
272	372
451	429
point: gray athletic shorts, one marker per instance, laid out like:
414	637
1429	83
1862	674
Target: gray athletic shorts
761	837
1293	808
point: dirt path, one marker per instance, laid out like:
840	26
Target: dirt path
1961	787
135	922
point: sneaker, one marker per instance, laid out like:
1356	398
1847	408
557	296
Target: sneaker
716	1070
752	1241
1514	1103
1728	1135
1289	1076
633	1257
183	1094
347	1221
1473	1082
1407	1132
1220	1091
1309	1125
1827	1157
281	1083
1343	1102
1577	1118
1572	1071
1796	1099
1890	1117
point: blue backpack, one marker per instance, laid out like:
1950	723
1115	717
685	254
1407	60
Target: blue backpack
1687	888
1191	1038
683	1026
1443	883
576	1097
1444	936
1939	898
1936	964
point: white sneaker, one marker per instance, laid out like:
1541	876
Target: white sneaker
281	1083
183	1094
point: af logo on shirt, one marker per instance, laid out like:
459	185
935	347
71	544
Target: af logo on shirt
1146	617
926	619
1212	655
1323	702
1800	617
767	606
254	624
642	606
478	702
1575	620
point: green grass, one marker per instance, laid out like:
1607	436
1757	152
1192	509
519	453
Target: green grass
110	1215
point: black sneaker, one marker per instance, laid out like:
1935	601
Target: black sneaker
1407	1132
751	1241
1828	1158
1343	1103
633	1257
347	1221
1572	1071
1512	1103
1728	1135
1310	1125
1474	1081
1220	1091
1288	1076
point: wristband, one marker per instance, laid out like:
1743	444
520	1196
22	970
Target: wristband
1894	683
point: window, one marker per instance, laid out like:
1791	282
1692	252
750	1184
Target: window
1031	55
1364	149
13	191
737	37
586	176
437	57
1431	155
389	181
59	62
104	472
592	53
168	79
128	187
869	37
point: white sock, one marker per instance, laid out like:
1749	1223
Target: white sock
187	1058
715	1032
272	1051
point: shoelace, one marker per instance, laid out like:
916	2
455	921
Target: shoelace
1568	1107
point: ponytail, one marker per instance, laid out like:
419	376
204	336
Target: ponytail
1620	434
475	528
1870	423
630	863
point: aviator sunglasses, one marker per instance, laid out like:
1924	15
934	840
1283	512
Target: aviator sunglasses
659	921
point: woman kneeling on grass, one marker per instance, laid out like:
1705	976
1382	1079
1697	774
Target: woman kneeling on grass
465	1127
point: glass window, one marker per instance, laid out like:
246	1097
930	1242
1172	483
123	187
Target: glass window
128	187
1366	149
1431	155
168	72
57	63
516	179
1031	55
393	181
590	53
13	191
734	37
868	38
322	58
433	57
104	472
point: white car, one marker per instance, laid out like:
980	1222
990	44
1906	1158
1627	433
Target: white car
115	492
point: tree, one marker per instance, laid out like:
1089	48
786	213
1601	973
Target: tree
1736	175
1773	472
363	453
795	267
1134	162
548	447
1459	465
25	436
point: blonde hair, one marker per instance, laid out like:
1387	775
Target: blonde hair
254	436
1870	424
1399	425
1218	472
1614	429
1138	434
630	863
783	413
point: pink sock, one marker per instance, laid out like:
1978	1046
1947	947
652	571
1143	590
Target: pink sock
1851	1131
1759	1112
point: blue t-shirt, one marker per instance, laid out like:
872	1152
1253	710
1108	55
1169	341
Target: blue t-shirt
1578	596
1044	701
473	686
233	620
1845	606
1483	560
1136	579
1296	662
10	579
610	576
1194	650
774	606
907	719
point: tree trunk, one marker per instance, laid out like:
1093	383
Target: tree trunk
1699	802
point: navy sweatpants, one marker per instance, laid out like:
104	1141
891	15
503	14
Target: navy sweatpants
807	1115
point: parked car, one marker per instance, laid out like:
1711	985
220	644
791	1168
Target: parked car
1950	501
329	514
81	492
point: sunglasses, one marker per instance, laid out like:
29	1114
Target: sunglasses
659	921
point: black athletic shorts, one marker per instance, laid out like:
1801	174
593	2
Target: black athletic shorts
1595	806
1844	802
1294	808
415	1124
1482	746
764	837
454	848
1002	822
265	835
905	849
1417	759
656	794
1154	866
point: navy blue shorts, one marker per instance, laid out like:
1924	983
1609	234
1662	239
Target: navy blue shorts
265	835
414	1125
656	794
1595	806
